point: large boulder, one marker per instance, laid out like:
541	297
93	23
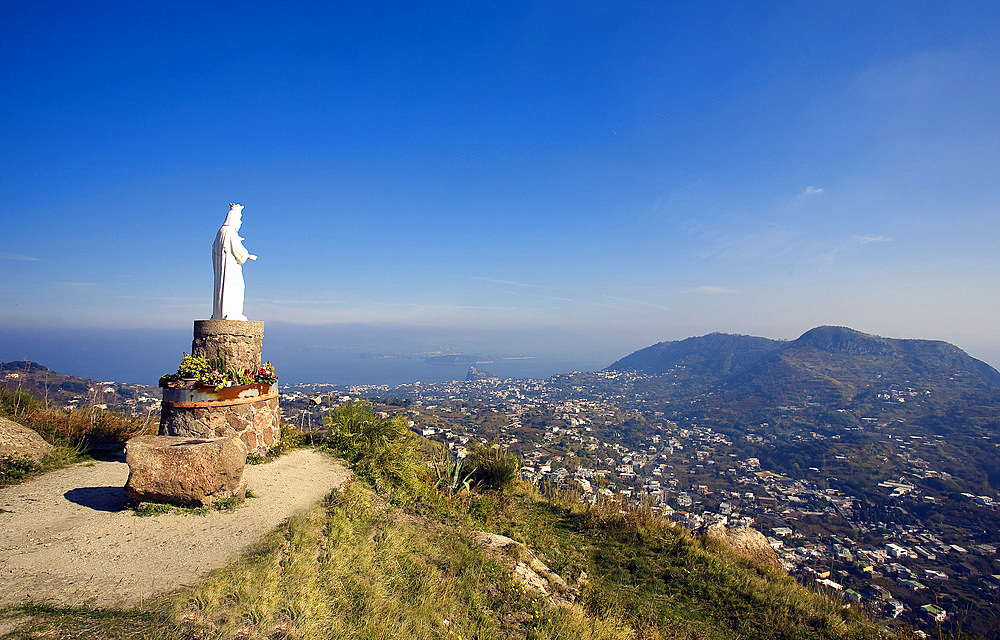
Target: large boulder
18	441
183	470
747	542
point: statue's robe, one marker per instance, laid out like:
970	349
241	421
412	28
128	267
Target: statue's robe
228	256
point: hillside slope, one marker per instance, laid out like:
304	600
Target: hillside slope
712	356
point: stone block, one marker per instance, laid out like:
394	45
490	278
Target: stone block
185	470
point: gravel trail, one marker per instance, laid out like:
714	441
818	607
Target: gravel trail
65	538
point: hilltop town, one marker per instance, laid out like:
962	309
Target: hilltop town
883	546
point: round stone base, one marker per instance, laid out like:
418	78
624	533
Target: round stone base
250	412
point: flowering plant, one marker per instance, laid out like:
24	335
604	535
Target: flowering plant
213	372
265	374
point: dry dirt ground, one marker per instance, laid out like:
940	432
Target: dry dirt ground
66	538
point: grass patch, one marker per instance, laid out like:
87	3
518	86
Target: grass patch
361	568
227	504
147	509
668	583
39	620
14	469
17	469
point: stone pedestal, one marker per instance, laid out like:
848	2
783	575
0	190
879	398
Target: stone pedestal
239	341
249	412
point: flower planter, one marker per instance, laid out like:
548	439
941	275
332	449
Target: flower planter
197	393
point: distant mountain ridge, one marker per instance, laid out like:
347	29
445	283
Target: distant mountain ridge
60	389
825	364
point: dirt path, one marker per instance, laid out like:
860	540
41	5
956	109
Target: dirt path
65	539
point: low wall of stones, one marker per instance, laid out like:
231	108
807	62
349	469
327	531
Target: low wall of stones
250	412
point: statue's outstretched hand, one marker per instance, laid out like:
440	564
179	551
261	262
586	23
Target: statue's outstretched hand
252	257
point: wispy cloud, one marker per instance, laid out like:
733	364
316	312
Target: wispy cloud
640	302
714	291
767	243
871	238
538	295
857	241
16	256
507	282
811	191
78	284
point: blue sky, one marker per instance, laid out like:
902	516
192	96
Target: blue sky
562	179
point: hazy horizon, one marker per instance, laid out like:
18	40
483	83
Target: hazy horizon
342	355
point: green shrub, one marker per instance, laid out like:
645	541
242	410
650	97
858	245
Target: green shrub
15	468
381	449
450	477
494	468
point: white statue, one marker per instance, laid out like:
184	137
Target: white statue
228	256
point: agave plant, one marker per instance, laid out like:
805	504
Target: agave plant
449	476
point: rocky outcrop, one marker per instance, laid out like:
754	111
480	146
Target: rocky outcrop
184	470
526	566
475	375
18	441
747	542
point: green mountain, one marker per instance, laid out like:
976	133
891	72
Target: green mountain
825	365
713	356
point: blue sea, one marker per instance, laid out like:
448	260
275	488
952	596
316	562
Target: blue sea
389	370
143	355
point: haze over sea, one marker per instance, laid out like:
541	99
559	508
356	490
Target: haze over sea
371	358
345	355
